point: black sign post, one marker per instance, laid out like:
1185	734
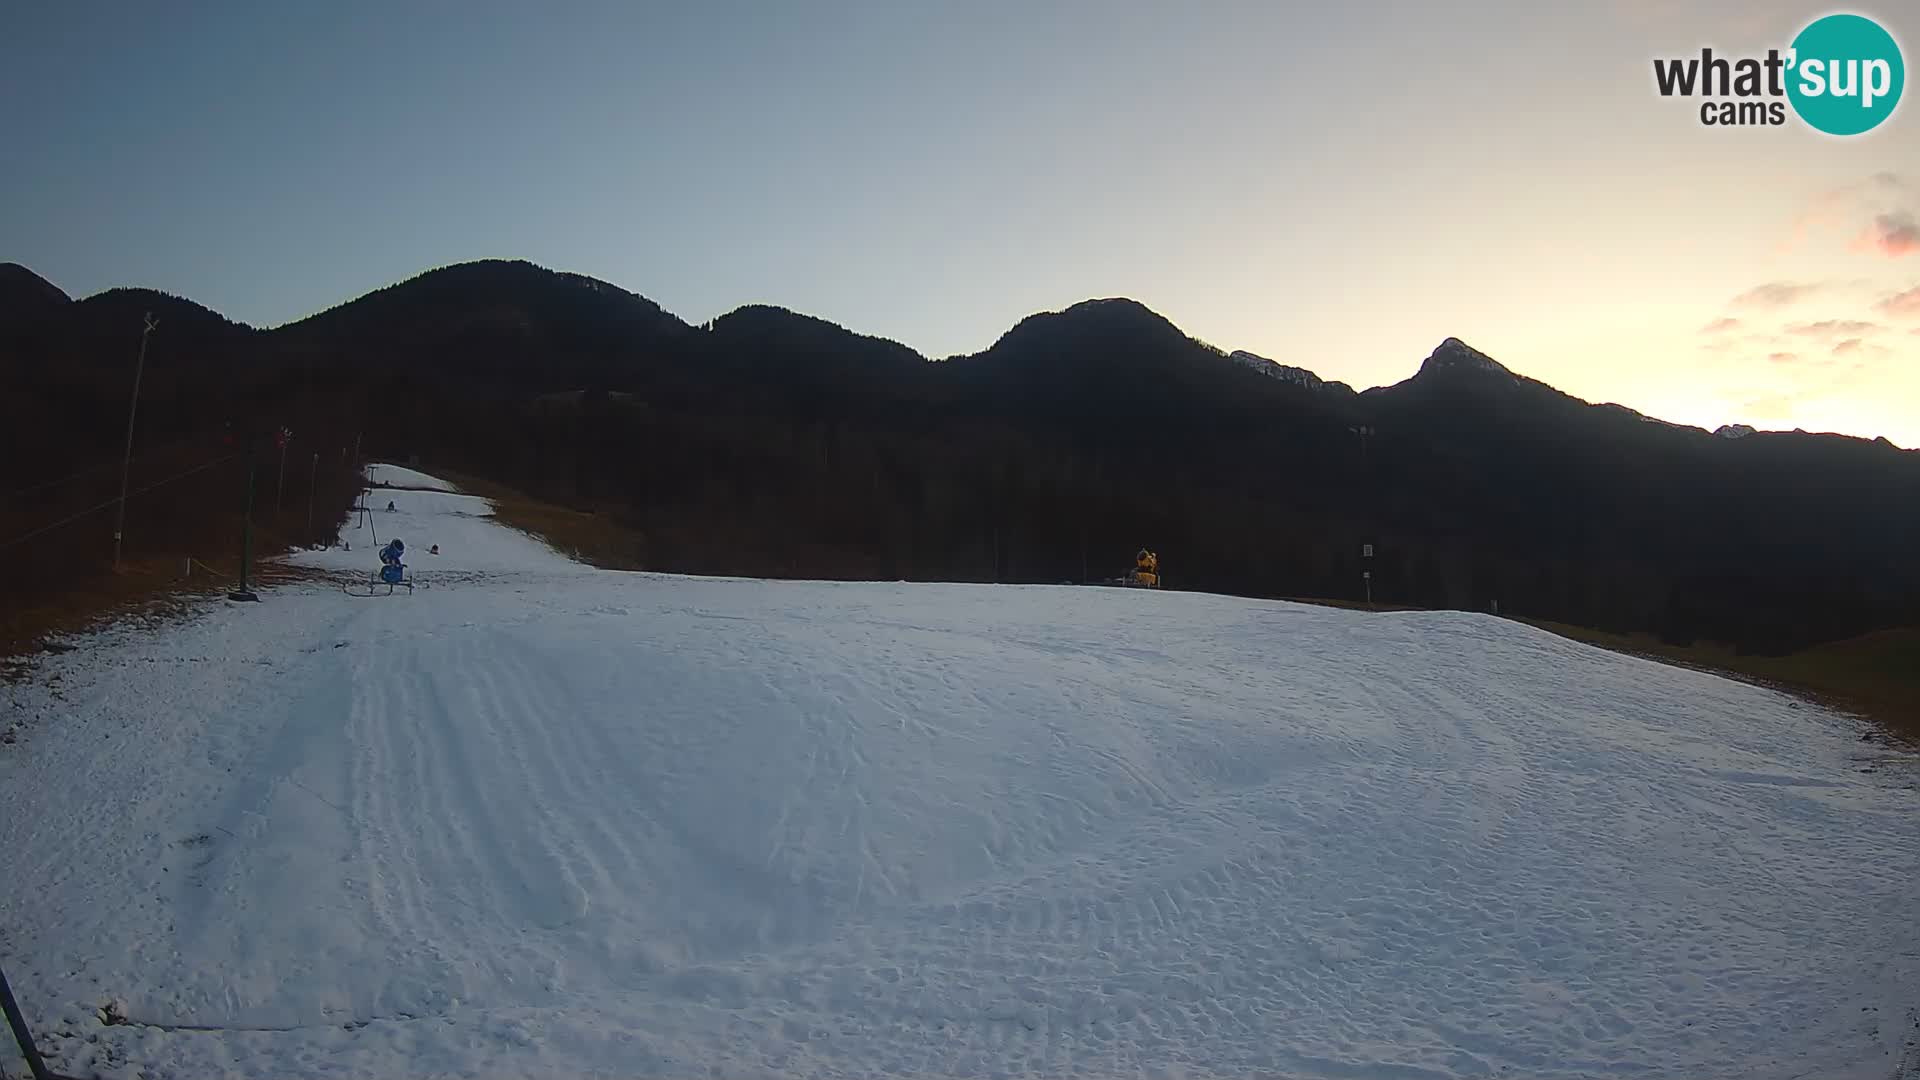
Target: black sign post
20	1033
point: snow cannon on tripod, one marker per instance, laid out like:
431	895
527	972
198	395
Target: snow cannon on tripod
392	573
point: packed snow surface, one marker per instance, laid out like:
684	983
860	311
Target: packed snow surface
538	819
399	476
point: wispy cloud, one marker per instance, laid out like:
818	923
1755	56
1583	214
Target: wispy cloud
1893	235
1720	326
1850	194
1777	294
1840	208
1862	354
1902	304
1833	329
1800	362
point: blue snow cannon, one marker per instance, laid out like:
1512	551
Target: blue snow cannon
390	567
393	573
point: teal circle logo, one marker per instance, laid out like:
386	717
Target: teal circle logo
1846	74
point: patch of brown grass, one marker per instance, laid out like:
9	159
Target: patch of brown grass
1875	675
140	585
593	538
151	588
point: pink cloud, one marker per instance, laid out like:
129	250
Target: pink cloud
1892	235
1721	326
1848	346
1839	207
1783	357
1777	294
1906	303
1831	329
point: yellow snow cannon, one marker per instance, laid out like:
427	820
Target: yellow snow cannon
1146	571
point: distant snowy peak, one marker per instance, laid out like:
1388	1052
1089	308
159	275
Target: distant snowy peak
1733	431
1635	414
1456	355
1273	369
1276	370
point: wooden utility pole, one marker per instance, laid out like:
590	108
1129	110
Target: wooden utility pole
313	478
246	533
280	485
126	458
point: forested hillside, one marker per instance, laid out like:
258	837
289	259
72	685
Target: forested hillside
772	443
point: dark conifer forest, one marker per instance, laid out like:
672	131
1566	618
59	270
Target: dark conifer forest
772	443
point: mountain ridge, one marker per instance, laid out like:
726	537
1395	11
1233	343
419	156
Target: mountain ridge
1123	315
22	290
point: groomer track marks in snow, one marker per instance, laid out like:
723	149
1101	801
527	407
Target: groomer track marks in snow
577	822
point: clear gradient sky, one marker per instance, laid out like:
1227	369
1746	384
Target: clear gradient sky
1335	185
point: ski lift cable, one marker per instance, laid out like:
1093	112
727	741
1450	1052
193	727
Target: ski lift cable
70	477
110	503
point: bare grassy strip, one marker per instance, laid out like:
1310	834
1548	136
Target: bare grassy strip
1875	675
592	538
183	528
144	590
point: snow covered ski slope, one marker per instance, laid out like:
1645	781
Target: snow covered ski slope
399	476
538	819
